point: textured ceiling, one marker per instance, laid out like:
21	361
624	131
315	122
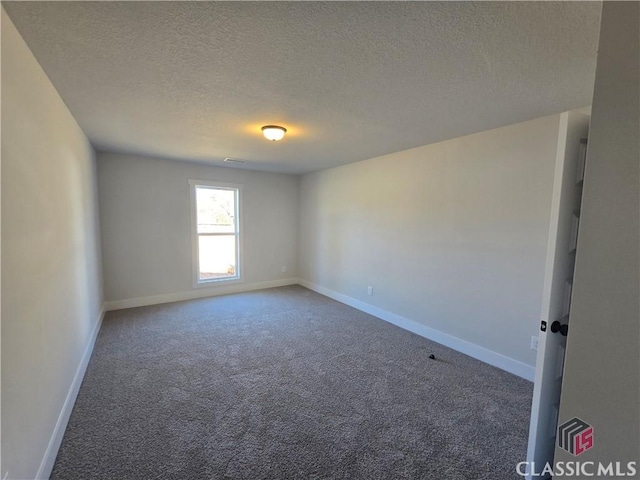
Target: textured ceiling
350	80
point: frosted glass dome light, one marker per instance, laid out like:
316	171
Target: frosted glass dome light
273	132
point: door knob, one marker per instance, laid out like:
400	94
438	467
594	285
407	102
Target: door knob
563	328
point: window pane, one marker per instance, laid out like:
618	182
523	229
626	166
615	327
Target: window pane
216	210
217	255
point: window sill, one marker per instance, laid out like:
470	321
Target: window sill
217	282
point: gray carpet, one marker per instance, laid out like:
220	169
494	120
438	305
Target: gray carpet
286	384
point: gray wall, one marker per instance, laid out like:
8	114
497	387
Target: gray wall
602	365
451	235
51	290
146	224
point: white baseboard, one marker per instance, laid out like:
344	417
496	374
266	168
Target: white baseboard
49	458
483	354
197	293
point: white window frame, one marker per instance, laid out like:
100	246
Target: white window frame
237	278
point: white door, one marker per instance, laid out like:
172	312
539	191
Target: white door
556	296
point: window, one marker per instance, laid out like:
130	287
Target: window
215	219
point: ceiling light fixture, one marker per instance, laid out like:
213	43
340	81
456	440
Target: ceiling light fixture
273	132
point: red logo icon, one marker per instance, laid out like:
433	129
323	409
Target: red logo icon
575	436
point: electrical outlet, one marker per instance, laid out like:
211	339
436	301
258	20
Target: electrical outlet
369	290
534	343
283	269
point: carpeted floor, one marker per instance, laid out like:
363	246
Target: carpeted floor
286	384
